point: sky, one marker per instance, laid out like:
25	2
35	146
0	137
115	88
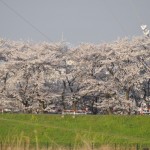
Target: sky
77	21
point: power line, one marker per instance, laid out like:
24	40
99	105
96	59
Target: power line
135	10
25	20
117	20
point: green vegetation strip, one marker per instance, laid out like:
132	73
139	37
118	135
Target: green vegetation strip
55	130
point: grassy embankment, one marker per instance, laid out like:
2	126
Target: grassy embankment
53	130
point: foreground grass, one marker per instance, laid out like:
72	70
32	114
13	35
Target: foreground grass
82	130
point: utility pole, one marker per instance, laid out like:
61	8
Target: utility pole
149	90
148	94
62	37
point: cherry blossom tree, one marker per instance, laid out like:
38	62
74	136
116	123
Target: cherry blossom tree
107	78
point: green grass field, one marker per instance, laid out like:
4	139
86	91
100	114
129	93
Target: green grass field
55	130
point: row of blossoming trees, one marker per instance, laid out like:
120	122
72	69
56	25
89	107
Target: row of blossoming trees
106	78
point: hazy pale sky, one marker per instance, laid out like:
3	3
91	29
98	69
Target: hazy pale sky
80	20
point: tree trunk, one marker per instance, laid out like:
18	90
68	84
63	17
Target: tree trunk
127	98
127	93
